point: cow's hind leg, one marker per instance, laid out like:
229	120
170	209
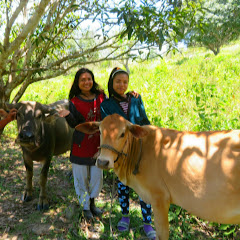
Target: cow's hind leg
160	211
43	202
27	195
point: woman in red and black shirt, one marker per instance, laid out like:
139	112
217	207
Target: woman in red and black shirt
85	99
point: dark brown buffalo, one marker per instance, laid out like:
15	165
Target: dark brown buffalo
41	134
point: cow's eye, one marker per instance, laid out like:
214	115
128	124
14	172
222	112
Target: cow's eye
122	135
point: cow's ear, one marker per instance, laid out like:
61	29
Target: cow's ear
137	131
88	127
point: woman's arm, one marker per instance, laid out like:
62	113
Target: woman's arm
143	114
9	117
72	116
3	113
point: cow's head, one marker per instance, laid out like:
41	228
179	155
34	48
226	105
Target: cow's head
30	120
114	131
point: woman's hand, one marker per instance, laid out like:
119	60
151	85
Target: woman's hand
9	116
12	114
63	113
134	93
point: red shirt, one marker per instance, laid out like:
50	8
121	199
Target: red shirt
83	152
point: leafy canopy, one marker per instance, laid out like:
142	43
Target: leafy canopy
219	23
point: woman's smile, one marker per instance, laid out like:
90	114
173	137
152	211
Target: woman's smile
120	84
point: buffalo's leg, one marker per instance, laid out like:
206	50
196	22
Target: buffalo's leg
160	211
27	195
43	202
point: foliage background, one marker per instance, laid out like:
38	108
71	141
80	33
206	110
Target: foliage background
190	90
193	90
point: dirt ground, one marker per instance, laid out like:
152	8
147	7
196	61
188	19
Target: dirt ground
21	220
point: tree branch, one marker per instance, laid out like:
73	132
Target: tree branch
21	91
31	24
10	22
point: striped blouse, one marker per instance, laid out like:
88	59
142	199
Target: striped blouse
124	106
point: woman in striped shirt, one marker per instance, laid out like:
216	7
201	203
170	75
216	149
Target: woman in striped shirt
132	109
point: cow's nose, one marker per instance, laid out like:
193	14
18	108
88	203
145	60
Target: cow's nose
102	163
26	134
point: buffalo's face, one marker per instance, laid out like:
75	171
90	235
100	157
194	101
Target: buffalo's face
30	120
30	123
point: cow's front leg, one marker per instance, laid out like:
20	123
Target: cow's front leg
43	201
27	195
160	210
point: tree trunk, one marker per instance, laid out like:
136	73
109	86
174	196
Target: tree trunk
125	63
3	97
216	51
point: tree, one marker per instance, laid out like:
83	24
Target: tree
43	39
157	22
220	24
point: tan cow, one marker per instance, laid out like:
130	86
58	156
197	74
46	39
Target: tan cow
199	171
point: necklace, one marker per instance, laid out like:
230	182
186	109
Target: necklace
88	97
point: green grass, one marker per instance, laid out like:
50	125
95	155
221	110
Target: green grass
193	90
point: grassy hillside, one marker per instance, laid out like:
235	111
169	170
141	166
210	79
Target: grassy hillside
193	90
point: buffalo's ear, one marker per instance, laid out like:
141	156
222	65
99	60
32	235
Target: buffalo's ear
48	110
88	127
12	105
137	131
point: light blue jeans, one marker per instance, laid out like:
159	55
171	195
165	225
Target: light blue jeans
88	182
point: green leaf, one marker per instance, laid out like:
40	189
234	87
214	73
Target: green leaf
224	226
226	233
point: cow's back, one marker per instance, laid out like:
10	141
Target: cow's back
202	173
197	171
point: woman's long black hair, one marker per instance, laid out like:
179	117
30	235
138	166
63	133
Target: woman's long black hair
75	90
111	91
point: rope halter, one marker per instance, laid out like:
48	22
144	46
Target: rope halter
106	146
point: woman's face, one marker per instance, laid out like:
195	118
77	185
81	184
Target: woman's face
120	83
85	82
